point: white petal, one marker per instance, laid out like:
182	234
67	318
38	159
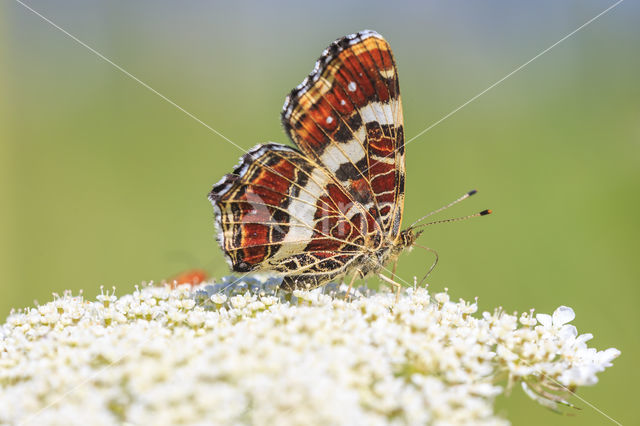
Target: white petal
605	357
583	338
563	315
544	319
568	331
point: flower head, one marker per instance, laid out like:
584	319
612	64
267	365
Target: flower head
241	352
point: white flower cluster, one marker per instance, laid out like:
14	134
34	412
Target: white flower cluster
248	356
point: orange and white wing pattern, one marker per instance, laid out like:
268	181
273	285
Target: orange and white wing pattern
347	116
279	211
312	214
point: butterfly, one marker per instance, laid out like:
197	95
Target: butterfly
333	206
192	277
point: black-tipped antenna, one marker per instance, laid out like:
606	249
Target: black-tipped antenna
456	219
464	197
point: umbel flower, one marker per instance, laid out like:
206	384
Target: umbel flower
243	353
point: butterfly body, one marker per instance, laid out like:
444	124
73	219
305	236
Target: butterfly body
333	206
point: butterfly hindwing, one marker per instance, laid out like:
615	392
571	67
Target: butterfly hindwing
276	205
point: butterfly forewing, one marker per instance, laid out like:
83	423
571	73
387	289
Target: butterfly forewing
347	115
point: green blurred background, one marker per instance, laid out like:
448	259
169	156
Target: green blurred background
105	183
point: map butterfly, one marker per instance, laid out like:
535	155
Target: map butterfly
333	206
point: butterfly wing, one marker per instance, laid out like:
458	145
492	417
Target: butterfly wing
279	211
347	116
312	214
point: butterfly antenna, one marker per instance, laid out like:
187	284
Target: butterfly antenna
456	219
464	197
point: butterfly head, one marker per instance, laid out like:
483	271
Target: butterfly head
408	237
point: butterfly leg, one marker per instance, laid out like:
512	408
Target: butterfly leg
393	283
353	279
393	270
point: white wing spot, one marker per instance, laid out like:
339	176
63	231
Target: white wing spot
335	155
329	120
388	73
302	211
379	112
342	102
352	86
